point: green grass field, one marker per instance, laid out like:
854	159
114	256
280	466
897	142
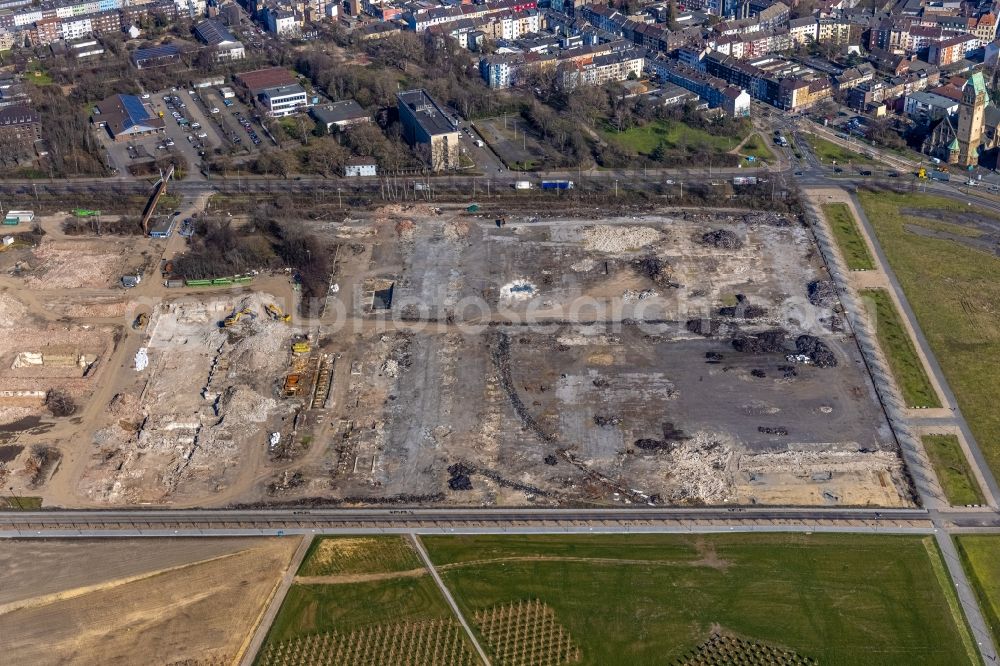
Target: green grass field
385	615
673	135
827	151
329	556
900	351
955	292
952	469
314	608
979	556
845	231
757	147
35	74
20	503
650	599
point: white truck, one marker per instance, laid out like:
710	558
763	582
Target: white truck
522	185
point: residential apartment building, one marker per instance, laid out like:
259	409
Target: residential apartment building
20	128
422	19
602	69
924	107
778	82
950	50
717	92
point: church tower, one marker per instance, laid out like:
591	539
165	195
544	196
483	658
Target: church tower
971	119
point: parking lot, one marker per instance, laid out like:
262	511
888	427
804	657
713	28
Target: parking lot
196	122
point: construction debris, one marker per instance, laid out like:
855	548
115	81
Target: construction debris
816	350
766	342
743	309
823	293
723	239
613	239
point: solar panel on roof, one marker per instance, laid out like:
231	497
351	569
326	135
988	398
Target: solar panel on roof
156	52
134	108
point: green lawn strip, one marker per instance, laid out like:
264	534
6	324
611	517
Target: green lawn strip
952	469
310	609
979	557
849	239
954	291
827	151
936	559
899	349
840	599
332	555
673	135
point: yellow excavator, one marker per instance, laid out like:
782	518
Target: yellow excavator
235	317
275	313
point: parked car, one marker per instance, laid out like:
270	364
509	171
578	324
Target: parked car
215	109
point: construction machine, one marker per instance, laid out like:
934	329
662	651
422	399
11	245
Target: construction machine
300	348
140	321
275	313
235	317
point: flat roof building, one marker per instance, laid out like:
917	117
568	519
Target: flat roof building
430	129
158	56
259	79
284	100
340	114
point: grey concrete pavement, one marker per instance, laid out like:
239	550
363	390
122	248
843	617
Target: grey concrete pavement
967	597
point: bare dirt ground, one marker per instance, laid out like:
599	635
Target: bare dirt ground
467	398
142	601
615	360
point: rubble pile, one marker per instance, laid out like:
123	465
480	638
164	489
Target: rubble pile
699	470
631	295
614	239
706	327
766	342
460	476
823	293
766	218
816	350
724	239
743	309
